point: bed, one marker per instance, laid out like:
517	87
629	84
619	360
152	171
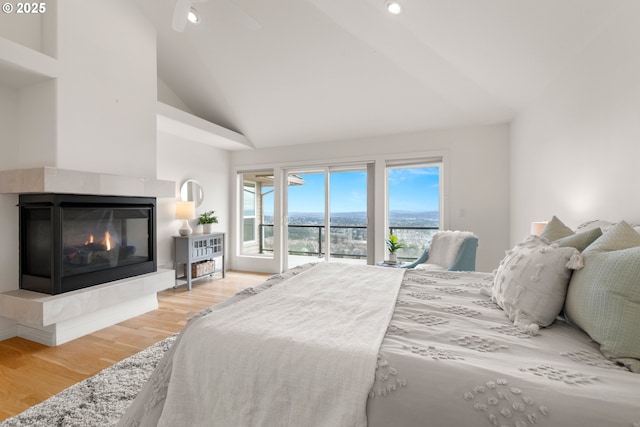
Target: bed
454	348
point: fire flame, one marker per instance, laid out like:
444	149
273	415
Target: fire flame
107	240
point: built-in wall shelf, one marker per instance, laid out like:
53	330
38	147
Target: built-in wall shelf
176	122
21	66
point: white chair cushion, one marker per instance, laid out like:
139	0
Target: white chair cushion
426	266
445	246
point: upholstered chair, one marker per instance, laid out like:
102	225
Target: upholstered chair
449	250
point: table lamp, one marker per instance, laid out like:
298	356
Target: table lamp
185	211
537	227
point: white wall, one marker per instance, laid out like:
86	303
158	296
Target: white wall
575	153
478	175
99	115
167	96
37	143
24	29
9	147
8	255
8	211
178	160
106	107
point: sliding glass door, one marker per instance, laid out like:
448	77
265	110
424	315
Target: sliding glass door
326	215
306	218
348	213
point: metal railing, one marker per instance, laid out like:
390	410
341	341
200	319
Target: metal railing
318	239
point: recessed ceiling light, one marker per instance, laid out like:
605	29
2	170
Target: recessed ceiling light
193	16
393	7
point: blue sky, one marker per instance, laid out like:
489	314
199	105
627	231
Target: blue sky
410	189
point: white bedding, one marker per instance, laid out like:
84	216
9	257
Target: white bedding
451	357
321	327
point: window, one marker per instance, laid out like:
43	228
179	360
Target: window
327	214
340	212
257	203
249	212
413	204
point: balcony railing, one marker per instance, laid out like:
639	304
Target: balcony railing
347	241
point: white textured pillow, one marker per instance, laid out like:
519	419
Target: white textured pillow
531	282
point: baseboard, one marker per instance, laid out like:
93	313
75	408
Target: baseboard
8	331
42	336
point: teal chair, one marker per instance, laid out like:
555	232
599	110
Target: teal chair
465	260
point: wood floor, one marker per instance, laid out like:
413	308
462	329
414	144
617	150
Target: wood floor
32	372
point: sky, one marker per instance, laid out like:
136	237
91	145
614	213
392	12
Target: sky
410	189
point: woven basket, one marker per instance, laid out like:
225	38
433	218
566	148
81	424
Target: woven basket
201	268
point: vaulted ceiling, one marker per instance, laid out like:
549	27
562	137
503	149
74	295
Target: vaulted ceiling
287	72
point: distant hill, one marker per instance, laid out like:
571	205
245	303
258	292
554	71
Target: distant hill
396	218
433	215
392	214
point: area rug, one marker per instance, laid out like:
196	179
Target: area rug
97	401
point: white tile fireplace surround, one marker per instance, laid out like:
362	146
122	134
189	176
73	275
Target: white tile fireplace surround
56	180
55	319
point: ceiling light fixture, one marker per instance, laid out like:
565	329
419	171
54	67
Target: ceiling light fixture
393	7
193	16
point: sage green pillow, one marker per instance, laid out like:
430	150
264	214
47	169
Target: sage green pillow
620	236
580	241
555	229
556	232
603	298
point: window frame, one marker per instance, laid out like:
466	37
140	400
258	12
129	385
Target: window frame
377	203
255	212
414	164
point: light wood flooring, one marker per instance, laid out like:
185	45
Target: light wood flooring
32	372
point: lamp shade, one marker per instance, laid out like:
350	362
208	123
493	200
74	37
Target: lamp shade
185	210
537	227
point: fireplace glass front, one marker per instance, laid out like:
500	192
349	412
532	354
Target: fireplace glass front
70	242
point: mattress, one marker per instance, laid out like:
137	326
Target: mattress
451	357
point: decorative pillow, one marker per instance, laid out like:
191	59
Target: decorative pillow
531	282
580	241
555	229
620	236
597	223
603	299
557	232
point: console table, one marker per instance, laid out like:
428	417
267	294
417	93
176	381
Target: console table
198	256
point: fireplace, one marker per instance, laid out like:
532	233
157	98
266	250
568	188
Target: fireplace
73	241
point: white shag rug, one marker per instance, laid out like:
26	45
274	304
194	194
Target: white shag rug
99	400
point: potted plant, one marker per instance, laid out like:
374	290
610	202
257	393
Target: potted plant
393	244
207	219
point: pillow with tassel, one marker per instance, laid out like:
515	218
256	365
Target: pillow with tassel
531	282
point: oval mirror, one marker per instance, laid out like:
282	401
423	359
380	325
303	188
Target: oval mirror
191	191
